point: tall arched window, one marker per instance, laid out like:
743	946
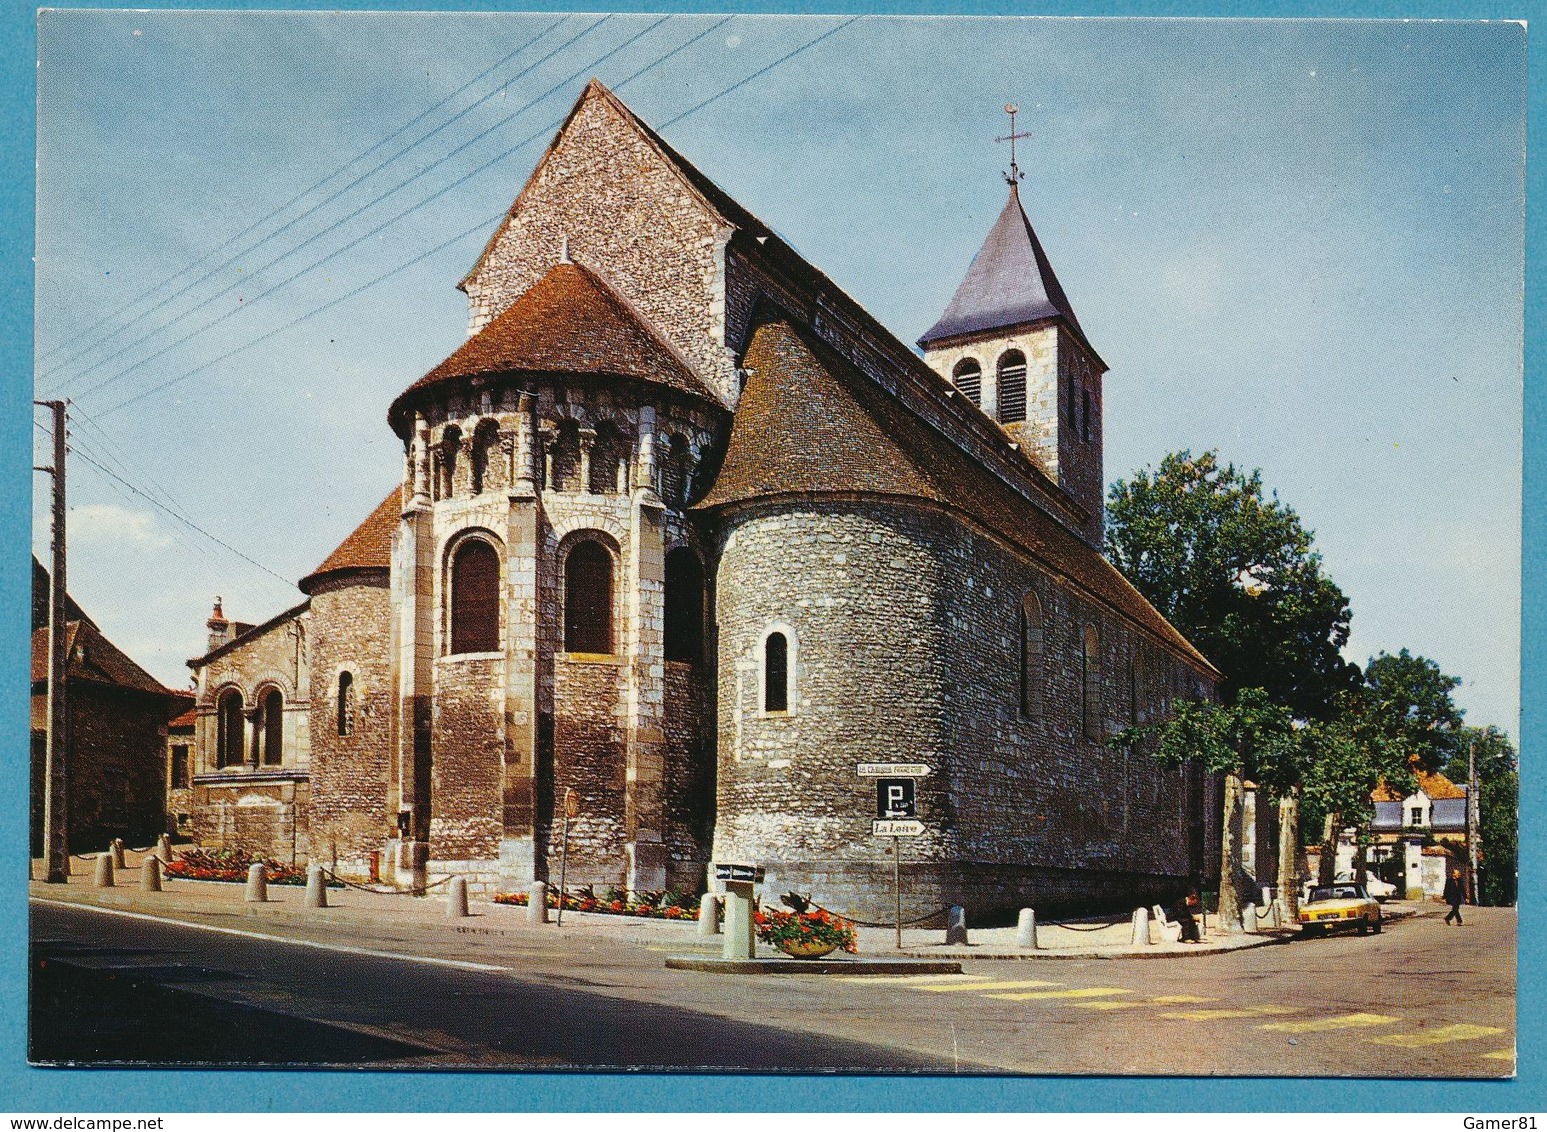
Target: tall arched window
566	458
1031	657
588	598
1012	386
968	377
475	598
271	727
230	721
776	673
1091	683
346	703
684	606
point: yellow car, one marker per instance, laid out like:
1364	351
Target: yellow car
1339	906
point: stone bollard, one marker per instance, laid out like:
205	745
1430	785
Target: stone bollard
257	883
118	852
316	887
1249	919
164	848
537	903
708	915
956	926
1026	929
104	877
150	875
1141	927
456	897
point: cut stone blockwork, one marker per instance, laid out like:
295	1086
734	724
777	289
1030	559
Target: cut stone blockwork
683	534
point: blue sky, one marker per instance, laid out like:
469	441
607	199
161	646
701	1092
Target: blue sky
1299	243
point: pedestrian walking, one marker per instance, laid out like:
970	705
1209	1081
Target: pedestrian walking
1455	894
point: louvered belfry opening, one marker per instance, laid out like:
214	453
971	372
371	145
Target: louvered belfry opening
475	598
968	377
1012	386
588	599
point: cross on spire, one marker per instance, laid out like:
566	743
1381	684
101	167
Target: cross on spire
1014	176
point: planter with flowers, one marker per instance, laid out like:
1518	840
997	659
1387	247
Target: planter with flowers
806	935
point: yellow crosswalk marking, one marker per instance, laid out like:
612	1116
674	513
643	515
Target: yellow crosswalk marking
915	980
1083	992
1104	1005
1459	1032
1501	1055
1012	984
1341	1022
1179	999
1246	1012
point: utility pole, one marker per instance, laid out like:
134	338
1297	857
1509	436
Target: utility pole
56	842
1472	821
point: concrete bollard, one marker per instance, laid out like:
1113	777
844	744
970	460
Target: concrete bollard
257	883
1249	919
316	887
956	926
456	897
1026	929
118	852
104	875
1141	928
150	875
164	848
708	915
537	903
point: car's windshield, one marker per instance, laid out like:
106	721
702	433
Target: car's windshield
1336	892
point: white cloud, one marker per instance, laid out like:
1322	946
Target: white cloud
109	523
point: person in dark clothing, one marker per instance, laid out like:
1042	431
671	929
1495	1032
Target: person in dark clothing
1455	894
1187	917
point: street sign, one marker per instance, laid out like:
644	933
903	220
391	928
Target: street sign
571	803
742	873
892	770
891	827
896	798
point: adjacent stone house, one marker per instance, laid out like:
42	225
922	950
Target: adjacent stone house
684	530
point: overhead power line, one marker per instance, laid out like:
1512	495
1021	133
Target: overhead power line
303	194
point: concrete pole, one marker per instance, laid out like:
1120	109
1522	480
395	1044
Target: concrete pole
1141	927
1026	929
1249	919
456	897
316	887
257	883
56	839
708	915
104	875
150	875
738	920
956	926
537	903
1473	815
118	852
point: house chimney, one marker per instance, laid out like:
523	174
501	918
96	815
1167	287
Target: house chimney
219	627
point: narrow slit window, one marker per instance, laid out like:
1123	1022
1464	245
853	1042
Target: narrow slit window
272	729
1031	657
1091	664
346	703
776	673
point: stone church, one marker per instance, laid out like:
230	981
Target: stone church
685	534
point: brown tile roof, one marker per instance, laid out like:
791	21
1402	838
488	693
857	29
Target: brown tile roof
811	422
188	718
568	322
1432	783
369	546
93	658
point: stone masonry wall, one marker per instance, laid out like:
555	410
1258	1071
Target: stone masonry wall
689	785
589	757
353	777
466	797
636	223
1079	458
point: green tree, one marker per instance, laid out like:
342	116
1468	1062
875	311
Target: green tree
1404	708
1237	573
1498	816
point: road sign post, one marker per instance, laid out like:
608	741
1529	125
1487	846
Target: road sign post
571	810
896	815
738	927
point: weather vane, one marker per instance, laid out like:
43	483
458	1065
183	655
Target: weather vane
1014	176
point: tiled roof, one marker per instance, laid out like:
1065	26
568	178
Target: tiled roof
188	718
568	322
1432	783
1009	283
93	658
810	422
369	546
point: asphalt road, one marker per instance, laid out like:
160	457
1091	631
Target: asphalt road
1420	1000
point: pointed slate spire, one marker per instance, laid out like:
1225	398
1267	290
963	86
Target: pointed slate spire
1009	283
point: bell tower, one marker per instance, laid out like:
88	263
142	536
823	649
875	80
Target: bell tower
1010	343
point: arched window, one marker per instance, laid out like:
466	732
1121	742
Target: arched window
684	606
776	673
346	703
1031	657
1091	683
450	446
676	463
607	461
230	720
1085	415
1012	386
968	377
475	598
566	458
486	439
588	598
271	727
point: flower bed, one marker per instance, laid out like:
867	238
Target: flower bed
615	902
805	928
232	865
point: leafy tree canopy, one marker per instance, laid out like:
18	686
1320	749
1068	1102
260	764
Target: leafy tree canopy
1404	711
1236	573
1253	737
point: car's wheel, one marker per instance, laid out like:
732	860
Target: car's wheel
1364	927
1310	930
1376	925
